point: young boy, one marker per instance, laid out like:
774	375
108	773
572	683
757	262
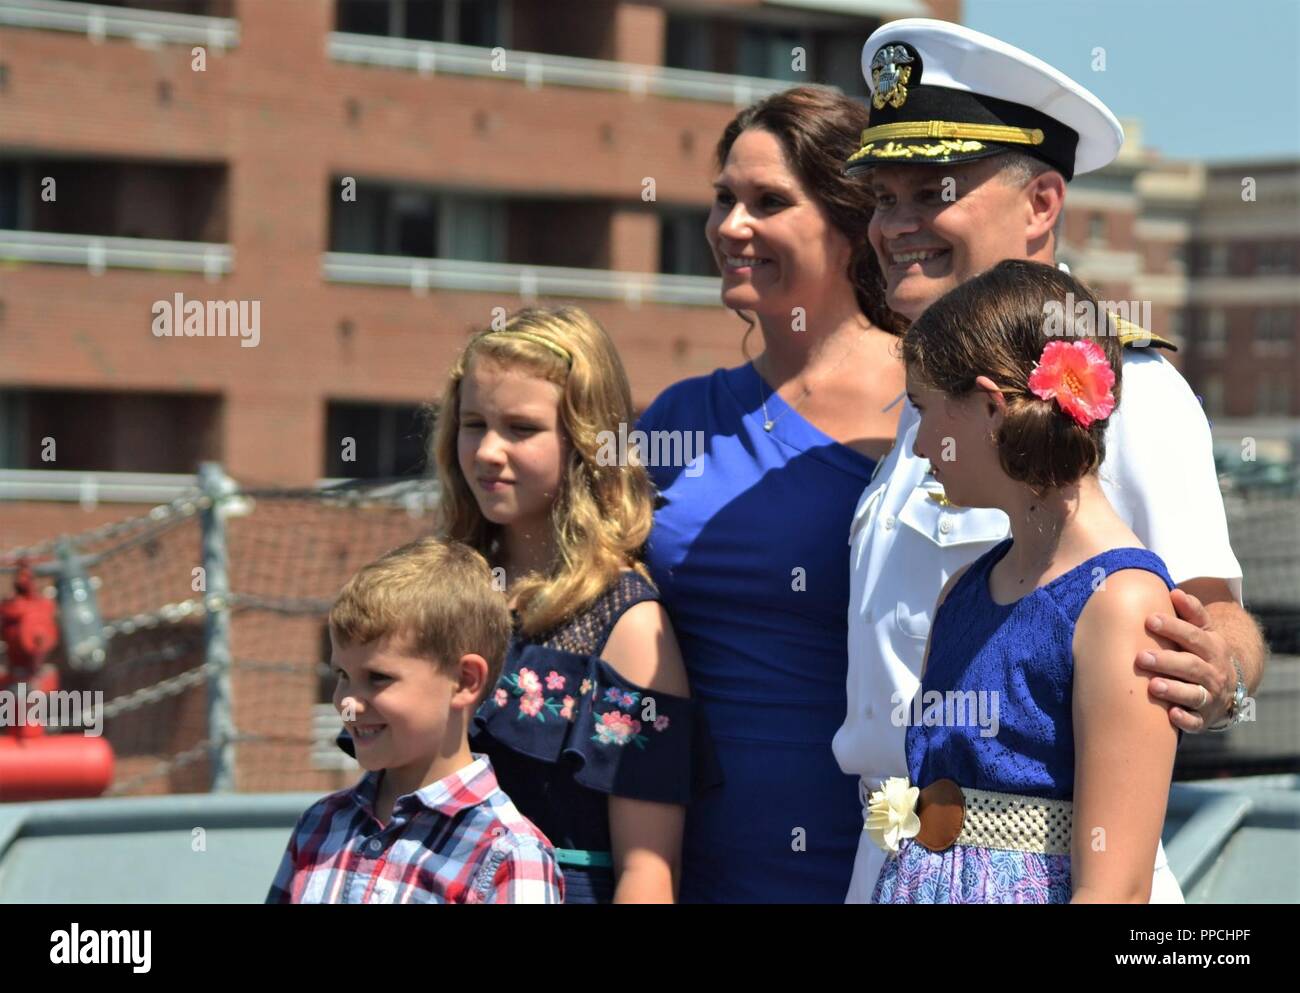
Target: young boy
418	638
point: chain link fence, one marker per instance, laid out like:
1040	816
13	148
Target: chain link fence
202	623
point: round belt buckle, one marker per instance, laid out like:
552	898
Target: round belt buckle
942	810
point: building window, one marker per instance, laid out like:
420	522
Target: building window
1177	323
831	50
768	52
108	432
688	44
464	22
375	440
11	182
114	197
386	220
1274	398
1216	259
1275	331
1214	334
1273	258
683	250
1097	229
1212	394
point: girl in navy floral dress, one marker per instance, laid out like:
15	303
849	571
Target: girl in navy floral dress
591	730
1039	765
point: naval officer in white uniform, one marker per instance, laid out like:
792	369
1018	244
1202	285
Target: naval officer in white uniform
970	146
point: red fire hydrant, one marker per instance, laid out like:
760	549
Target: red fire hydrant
35	765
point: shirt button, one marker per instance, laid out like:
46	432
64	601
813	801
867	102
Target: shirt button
889	522
945	526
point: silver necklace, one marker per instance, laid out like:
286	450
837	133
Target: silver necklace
770	422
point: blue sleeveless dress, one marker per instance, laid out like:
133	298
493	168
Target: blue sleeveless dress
565	732
1023	652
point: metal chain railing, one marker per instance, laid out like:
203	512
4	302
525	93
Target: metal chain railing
158	691
86	554
163	768
181	507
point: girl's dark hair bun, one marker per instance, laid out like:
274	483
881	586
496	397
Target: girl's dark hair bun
997	325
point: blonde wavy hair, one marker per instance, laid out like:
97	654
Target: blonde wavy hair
601	515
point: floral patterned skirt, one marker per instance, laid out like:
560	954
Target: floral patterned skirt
966	874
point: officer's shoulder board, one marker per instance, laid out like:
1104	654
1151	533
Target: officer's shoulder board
1135	336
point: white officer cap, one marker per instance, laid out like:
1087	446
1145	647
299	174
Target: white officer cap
941	93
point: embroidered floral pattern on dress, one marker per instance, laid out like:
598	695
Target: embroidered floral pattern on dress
559	704
621	698
613	728
532	702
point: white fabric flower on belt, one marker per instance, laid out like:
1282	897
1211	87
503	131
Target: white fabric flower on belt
891	813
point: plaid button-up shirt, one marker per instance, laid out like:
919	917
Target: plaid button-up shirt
459	840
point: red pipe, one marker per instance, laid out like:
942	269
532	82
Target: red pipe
54	766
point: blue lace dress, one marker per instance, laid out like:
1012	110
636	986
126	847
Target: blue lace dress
565	732
1022	652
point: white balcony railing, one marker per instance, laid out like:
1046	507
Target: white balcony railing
90	488
93	487
98	253
527	281
536	70
99	21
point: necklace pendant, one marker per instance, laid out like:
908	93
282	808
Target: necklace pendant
767	425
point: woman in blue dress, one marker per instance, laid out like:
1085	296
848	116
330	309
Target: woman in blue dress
748	551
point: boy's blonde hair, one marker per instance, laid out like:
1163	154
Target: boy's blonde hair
601	516
436	594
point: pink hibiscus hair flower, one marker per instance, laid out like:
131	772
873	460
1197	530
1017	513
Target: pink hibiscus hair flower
1078	377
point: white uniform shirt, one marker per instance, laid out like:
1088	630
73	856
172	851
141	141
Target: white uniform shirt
1158	474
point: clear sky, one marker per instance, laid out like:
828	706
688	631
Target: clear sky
1208	79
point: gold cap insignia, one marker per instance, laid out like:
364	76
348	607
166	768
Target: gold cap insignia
890	72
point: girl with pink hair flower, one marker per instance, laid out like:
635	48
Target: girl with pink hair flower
1038	763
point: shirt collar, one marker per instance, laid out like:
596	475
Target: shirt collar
466	787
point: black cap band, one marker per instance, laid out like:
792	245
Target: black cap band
957	126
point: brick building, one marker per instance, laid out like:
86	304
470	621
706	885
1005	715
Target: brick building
499	151
377	176
1244	305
